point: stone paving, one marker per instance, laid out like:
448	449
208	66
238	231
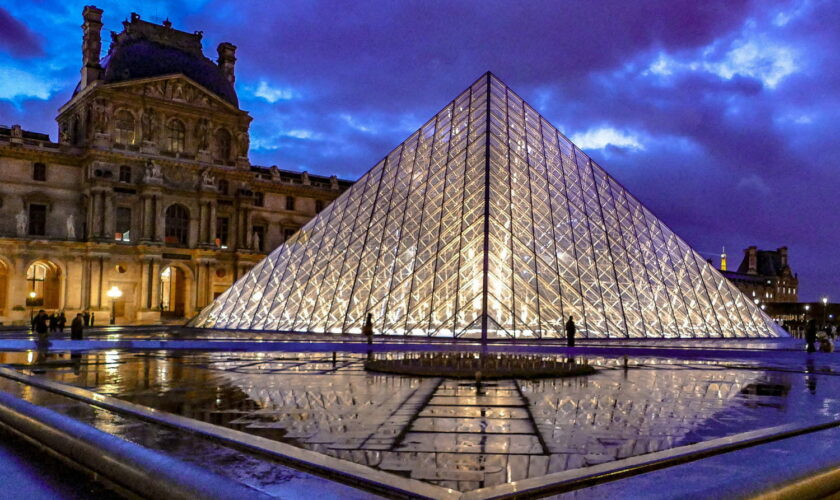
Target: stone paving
454	433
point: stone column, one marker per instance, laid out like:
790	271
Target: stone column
212	224
158	218
203	213
155	283
109	213
148	223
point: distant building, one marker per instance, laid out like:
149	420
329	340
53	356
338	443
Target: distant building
764	276
149	188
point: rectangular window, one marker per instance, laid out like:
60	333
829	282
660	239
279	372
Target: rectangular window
123	224
37	219
222	230
259	233
125	173
259	199
290	203
39	172
319	205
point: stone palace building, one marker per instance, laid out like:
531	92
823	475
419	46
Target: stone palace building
149	188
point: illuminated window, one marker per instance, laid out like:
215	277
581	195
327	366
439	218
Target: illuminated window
123	224
124	127
175	134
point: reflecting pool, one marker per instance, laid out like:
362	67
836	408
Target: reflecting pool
455	433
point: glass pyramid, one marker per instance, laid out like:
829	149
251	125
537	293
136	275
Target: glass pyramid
488	223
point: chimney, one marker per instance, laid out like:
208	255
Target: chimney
752	260
227	60
91	45
784	255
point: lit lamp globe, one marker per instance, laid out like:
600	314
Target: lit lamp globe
114	293
32	295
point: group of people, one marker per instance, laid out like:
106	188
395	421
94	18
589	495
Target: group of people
814	336
43	324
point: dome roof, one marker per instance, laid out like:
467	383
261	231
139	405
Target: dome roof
143	58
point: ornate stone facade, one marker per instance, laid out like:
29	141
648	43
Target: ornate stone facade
149	188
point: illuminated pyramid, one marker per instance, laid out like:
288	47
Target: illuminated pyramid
488	223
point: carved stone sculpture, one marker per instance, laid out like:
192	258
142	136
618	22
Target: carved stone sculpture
207	179
22	221
153	171
149	124
244	143
101	114
201	134
71	227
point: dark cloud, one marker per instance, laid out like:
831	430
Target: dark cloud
16	38
737	128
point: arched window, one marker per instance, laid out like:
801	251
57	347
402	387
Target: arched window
221	145
43	285
177	225
124	127
175	134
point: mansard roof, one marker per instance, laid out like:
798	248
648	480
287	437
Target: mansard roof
145	50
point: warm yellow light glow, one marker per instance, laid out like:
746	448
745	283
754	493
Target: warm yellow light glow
32	295
114	292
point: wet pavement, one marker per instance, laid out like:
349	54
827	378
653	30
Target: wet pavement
450	433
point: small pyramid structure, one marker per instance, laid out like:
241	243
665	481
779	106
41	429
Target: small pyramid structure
488	223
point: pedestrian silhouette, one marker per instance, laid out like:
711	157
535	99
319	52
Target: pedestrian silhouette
62	320
811	335
77	327
570	332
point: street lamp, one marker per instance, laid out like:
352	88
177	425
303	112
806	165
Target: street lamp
825	307
32	296
114	293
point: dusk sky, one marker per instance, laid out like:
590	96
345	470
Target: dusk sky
719	115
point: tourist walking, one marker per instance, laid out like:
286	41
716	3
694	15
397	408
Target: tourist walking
570	332
77	327
62	320
811	335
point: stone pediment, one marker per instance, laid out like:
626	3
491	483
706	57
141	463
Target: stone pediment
175	88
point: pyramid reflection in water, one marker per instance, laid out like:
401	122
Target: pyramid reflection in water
487	222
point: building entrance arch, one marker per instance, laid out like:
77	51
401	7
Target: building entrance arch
175	285
43	278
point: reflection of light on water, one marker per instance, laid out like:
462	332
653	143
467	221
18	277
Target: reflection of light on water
112	359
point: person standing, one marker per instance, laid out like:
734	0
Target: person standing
367	330
811	335
91	319
53	322
39	323
77	327
570	332
86	317
62	320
